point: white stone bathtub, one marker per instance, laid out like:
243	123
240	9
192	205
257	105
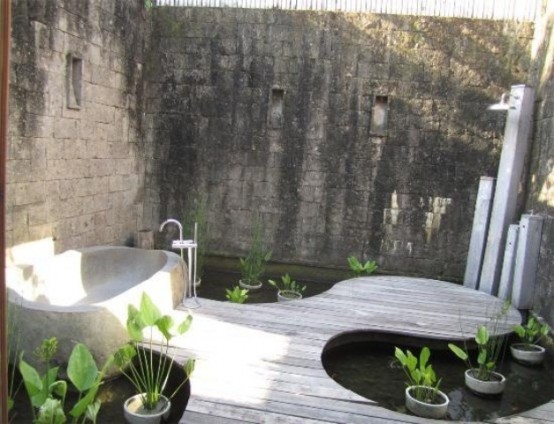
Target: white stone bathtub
82	296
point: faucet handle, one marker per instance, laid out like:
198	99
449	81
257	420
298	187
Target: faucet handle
183	244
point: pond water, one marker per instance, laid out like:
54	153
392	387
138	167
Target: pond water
370	370
214	283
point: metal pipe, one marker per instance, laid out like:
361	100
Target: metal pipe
5	18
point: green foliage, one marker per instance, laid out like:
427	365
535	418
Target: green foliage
359	269
47	394
253	265
14	339
197	213
149	377
287	283
237	295
419	373
533	331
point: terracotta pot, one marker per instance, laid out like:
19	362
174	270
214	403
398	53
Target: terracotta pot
487	388
135	413
286	295
424	409
250	286
527	353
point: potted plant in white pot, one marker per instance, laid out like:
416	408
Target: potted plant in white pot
145	369
423	397
288	289
253	265
483	379
529	352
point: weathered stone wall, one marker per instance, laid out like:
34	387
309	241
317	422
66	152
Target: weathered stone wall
306	159
541	168
75	174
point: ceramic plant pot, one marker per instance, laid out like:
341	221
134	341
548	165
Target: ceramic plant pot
135	413
250	285
426	410
527	353
286	295
493	387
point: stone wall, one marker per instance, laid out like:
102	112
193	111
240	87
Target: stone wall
74	168
541	176
345	134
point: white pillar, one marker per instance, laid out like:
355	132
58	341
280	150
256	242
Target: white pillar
516	141
527	258
508	265
479	232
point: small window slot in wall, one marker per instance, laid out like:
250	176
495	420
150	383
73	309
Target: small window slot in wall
379	115
74	82
276	119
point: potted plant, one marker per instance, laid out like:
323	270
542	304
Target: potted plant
483	379
148	374
529	352
47	393
359	269
253	265
288	289
237	295
423	397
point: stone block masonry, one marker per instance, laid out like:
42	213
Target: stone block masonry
74	165
345	133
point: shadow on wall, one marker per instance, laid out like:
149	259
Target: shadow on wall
325	182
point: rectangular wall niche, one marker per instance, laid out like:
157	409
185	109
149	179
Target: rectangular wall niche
74	84
379	115
276	119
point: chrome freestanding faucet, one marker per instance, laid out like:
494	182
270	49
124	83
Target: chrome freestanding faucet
190	300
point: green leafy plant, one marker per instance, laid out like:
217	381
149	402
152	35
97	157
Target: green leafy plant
489	350
136	359
533	331
237	295
253	265
14	339
420	373
288	284
359	269
47	394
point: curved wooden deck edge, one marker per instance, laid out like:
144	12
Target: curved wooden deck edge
262	363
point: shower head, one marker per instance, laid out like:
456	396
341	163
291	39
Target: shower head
503	104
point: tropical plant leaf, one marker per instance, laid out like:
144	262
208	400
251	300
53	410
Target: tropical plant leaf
92	410
460	353
185	325
58	388
33	384
482	335
149	312
164	324
124	355
51	412
81	368
81	407
424	357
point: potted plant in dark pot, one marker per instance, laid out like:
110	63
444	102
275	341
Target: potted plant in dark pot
423	397
483	379
529	352
253	265
288	289
145	369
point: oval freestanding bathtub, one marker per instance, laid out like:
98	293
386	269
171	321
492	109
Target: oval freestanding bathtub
83	295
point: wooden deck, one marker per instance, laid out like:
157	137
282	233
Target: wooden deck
261	363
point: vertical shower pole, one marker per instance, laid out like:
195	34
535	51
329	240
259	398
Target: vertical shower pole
516	142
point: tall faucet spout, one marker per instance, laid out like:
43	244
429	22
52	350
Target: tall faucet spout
173	221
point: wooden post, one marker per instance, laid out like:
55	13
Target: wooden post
478	239
508	265
516	142
527	258
5	19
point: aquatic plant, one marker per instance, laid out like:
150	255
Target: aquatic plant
253	265
533	331
47	394
288	284
136	359
359	269
237	295
420	374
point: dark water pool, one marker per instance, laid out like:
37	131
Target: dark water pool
370	370
214	283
